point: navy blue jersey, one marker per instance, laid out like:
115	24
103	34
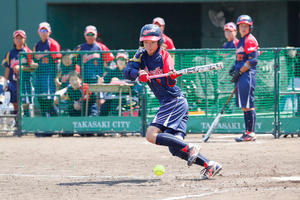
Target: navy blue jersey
92	62
247	51
231	45
165	88
47	66
12	59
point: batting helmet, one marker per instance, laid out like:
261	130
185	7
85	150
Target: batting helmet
230	26
245	19
151	32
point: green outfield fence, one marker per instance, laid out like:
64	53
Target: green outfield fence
55	100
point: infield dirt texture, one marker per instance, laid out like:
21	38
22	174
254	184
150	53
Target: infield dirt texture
109	168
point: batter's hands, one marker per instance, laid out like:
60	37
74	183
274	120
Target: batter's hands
236	76
231	71
173	74
143	76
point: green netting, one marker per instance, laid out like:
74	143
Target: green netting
276	94
207	92
60	85
289	90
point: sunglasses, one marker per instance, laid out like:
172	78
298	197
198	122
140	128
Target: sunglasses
90	34
121	58
43	30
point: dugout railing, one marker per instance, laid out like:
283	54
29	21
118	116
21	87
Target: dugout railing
277	93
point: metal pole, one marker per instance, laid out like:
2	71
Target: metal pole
144	111
276	131
19	96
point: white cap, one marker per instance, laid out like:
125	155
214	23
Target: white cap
159	21
90	29
45	25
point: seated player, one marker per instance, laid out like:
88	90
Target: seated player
75	100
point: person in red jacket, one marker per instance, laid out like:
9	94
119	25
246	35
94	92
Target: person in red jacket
168	42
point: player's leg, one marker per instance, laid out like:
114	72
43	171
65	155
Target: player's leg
245	100
156	135
211	168
200	160
173	115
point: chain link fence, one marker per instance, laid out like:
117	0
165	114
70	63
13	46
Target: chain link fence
85	92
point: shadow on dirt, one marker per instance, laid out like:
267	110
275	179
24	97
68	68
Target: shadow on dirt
110	183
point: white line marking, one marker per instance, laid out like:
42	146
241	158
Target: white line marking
195	195
229	190
68	176
287	178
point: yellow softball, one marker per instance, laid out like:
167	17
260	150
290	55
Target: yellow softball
159	170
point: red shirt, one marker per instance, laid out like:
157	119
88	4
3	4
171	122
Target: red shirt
107	57
168	42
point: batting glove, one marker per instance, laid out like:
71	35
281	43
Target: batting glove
143	76
174	75
236	76
231	71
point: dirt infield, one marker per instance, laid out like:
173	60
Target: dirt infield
121	168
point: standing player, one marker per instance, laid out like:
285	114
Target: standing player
244	75
46	73
12	67
93	63
168	42
168	127
230	35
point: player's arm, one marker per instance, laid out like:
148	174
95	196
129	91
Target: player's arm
30	66
131	71
251	49
251	62
169	68
5	63
55	47
107	57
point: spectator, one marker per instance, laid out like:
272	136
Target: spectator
115	72
75	100
114	76
12	67
168	42
46	72
67	65
230	35
93	64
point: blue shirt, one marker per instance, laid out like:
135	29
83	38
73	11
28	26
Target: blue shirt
11	59
231	45
92	62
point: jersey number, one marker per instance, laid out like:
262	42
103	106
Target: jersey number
45	60
239	57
